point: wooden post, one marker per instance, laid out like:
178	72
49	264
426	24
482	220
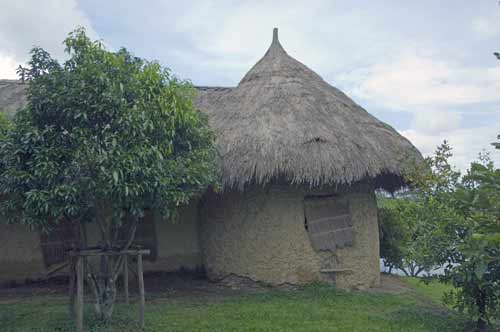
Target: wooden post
141	289
79	294
79	259
72	286
125	277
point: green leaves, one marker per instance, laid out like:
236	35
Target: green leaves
454	222
118	130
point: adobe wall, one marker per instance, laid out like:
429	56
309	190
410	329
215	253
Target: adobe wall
20	257
178	242
363	258
260	234
178	247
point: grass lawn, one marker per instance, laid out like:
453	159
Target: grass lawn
312	308
433	291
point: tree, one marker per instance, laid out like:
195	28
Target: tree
496	144
408	220
104	136
461	218
5	126
403	226
393	235
476	250
470	243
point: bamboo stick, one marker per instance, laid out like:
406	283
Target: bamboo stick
125	278
79	294
141	289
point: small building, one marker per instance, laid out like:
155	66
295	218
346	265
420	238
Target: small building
299	163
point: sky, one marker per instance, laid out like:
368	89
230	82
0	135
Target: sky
425	67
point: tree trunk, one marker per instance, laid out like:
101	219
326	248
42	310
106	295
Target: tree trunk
405	272
106	290
482	325
419	271
104	284
412	269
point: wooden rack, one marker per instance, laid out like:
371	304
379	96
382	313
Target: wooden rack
79	256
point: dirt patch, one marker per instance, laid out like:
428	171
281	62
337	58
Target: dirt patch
157	285
390	284
179	284
15	292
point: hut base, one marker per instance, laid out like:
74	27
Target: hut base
260	234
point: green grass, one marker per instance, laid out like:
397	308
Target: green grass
313	308
433	290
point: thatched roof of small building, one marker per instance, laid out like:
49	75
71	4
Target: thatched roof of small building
284	121
12	96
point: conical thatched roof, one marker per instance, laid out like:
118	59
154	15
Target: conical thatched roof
285	121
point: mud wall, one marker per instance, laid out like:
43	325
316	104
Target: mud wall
260	234
178	247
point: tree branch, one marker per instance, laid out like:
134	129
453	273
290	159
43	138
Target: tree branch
118	264
102	228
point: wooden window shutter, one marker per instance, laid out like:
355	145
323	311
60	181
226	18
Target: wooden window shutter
328	222
56	244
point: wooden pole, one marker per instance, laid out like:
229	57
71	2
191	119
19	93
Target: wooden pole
125	277
79	258
141	289
72	287
79	294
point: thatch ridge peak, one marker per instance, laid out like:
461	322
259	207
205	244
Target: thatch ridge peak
283	121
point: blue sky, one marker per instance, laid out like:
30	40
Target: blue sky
424	67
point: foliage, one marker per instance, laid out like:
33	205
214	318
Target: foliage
459	230
408	223
476	253
104	136
393	235
435	178
403	228
496	144
5	126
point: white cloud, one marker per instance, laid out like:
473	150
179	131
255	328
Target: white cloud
412	57
467	143
487	26
432	90
414	83
233	37
28	23
437	121
8	67
229	37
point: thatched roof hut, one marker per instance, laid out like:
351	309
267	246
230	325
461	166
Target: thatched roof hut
300	162
284	120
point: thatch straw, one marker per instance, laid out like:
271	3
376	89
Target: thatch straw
12	96
283	120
